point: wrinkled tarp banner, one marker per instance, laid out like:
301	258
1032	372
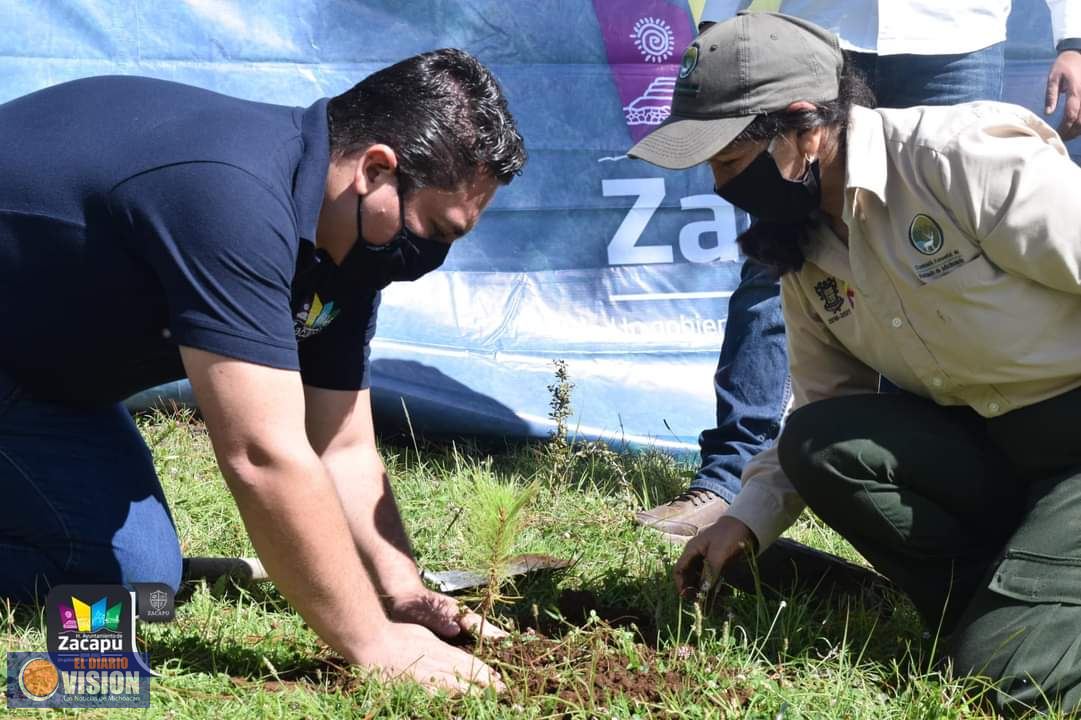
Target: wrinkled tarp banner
619	269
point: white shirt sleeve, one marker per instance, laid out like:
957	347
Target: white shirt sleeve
1065	18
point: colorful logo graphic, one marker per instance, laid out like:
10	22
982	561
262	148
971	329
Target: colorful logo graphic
41	680
85	618
925	234
314	317
91	660
641	39
38	679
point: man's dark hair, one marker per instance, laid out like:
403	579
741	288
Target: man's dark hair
778	244
442	113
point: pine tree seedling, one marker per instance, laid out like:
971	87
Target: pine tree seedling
493	521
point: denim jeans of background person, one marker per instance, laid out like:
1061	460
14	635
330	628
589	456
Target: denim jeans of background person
751	382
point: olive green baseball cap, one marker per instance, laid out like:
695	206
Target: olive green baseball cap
752	64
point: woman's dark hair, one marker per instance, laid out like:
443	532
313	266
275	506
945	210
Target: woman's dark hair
442	113
778	244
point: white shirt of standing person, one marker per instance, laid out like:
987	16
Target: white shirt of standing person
899	27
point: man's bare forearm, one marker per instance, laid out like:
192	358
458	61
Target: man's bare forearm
373	517
295	520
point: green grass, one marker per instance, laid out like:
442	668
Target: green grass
792	657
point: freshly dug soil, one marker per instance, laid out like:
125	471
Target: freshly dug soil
579	674
581	669
576	606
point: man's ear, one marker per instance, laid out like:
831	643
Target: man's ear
376	165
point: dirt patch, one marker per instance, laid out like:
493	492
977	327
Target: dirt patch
583	673
575	666
579	608
581	670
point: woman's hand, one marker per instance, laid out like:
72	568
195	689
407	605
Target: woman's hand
708	552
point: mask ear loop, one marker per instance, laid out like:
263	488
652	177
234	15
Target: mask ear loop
808	160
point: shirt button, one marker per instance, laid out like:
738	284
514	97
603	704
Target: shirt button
896	322
993	407
936	381
166	333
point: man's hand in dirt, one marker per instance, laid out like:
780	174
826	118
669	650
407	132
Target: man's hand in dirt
439	613
706	554
412	651
1065	78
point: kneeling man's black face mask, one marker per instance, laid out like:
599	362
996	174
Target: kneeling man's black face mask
406	257
765	193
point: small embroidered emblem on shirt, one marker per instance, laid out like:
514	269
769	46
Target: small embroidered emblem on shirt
925	234
831	297
313	317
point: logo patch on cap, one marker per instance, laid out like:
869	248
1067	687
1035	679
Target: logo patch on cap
925	234
689	62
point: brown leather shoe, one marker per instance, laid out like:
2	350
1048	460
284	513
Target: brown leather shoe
680	519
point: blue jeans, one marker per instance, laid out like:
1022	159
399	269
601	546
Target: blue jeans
81	501
751	383
902	81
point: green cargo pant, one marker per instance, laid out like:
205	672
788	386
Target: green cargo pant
977	520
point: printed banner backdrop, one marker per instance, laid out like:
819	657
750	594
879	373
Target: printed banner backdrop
619	269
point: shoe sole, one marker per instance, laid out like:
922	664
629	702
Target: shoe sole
668	537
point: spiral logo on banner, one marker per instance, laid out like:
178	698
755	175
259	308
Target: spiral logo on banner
644	40
654	39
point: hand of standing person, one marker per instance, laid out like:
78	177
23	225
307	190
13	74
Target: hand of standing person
1065	79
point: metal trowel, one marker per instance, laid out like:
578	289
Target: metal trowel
453	581
447	581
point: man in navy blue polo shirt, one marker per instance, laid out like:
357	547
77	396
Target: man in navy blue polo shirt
150	230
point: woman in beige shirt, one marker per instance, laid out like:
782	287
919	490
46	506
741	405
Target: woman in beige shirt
939	248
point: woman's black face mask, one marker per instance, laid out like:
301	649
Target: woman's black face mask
406	257
762	191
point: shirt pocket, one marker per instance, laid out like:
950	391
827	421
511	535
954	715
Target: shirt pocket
1037	578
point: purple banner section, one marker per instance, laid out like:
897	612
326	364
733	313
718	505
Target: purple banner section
644	40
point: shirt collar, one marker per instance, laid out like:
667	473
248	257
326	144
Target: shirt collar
865	154
865	169
822	248
311	177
